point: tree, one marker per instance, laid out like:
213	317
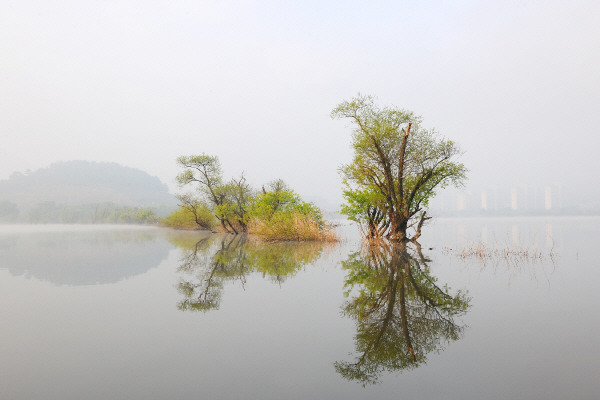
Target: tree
228	200
278	199
239	196
396	169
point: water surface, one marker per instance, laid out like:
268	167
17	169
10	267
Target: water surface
101	312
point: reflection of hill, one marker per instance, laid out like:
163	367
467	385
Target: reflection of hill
82	257
211	260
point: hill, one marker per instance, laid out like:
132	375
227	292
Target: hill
76	183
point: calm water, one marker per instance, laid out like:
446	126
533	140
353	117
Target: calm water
112	312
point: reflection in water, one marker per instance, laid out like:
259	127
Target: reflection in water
74	255
211	260
401	313
515	235
549	241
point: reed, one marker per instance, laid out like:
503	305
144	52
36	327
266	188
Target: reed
484	252
292	227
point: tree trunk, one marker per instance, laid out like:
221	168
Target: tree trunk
222	220
398	228
231	226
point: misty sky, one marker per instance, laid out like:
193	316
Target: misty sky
515	83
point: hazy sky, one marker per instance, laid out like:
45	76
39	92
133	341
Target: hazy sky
515	83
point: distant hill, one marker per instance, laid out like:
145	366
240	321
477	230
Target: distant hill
85	182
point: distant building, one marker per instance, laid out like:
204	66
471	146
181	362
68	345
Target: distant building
484	202
548	198
461	203
513	199
533	198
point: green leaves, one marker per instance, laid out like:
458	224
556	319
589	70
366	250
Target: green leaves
280	214
202	168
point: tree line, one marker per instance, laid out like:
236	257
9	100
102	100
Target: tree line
94	213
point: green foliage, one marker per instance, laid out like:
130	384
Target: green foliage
275	214
201	168
183	218
280	214
238	199
282	200
397	168
358	203
193	213
146	216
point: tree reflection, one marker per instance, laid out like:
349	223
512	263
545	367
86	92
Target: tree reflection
212	260
401	313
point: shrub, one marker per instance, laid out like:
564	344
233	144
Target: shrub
292	226
280	214
183	218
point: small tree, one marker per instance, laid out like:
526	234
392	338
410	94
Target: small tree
396	169
240	195
279	213
277	197
228	200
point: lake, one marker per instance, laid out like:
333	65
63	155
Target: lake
495	308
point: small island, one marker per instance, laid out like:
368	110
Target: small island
275	212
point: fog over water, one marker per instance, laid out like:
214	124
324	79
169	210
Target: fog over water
516	84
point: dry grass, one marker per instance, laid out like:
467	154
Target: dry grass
296	227
510	260
484	253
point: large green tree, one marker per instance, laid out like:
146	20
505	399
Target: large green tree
396	169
